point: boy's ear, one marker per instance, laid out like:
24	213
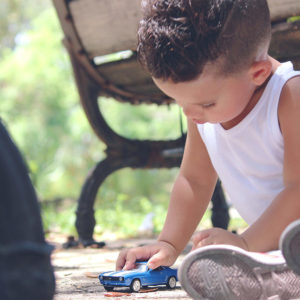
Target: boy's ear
260	71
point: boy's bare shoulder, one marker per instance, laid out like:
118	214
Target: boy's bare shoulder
289	104
290	98
291	90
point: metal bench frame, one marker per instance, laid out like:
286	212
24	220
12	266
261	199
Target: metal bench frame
122	152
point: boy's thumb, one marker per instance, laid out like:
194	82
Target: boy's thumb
156	261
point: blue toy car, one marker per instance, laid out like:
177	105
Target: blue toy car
139	277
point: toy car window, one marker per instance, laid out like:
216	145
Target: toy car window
141	267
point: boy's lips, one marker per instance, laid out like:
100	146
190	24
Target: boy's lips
198	121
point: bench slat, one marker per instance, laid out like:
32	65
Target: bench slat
283	9
285	40
128	75
106	26
109	26
124	72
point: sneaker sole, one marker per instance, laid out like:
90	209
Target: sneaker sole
222	272
290	245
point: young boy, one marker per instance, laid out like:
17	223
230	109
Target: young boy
243	110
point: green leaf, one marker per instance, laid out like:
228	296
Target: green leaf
293	19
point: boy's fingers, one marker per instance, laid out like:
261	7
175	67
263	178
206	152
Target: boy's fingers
154	262
130	261
121	260
155	255
135	254
203	242
126	259
159	259
199	236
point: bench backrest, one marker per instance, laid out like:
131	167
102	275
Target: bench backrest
95	28
109	26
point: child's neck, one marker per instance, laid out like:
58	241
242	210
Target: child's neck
253	100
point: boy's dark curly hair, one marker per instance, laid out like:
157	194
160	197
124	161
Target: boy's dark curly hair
177	38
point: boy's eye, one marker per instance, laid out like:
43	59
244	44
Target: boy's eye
207	105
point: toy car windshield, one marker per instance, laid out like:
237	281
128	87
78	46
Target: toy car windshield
142	267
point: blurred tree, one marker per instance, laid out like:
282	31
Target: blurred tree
40	106
15	16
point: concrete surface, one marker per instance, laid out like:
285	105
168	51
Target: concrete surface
77	270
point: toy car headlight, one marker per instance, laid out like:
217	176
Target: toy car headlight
101	277
121	278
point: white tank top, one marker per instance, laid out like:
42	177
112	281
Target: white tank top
249	157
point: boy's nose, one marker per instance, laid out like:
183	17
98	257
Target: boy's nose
192	113
187	111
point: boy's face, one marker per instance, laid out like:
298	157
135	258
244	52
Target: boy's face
212	98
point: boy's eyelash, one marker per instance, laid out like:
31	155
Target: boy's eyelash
208	105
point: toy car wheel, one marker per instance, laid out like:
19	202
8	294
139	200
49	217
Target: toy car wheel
135	285
108	288
171	284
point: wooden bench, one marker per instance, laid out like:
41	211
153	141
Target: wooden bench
95	28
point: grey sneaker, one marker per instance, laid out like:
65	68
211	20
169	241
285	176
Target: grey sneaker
290	245
224	272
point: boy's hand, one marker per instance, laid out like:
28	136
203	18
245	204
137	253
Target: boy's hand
216	236
159	254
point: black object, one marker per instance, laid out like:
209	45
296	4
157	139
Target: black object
25	268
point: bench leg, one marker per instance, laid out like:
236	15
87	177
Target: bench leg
139	154
85	219
220	215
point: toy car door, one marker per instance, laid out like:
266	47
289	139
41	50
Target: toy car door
157	276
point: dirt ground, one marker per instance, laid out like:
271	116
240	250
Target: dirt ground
77	270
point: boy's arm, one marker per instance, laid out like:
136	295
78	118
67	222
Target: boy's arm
264	234
190	196
191	193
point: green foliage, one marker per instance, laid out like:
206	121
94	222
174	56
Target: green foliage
59	218
135	123
15	15
121	217
236	222
293	19
40	107
127	202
